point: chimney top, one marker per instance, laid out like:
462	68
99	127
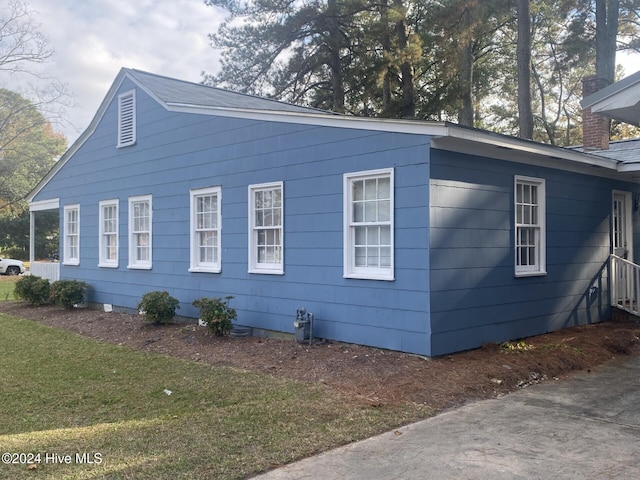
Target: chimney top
595	127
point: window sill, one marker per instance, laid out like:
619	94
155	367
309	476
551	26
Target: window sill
139	267
72	263
530	274
365	276
108	265
205	270
266	271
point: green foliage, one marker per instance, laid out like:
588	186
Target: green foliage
216	314
68	293
28	149
158	306
33	289
14	233
28	146
450	59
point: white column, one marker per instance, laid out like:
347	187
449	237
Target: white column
32	236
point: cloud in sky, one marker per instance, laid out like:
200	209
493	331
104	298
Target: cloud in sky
93	39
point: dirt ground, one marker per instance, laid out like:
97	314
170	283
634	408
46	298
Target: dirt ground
376	376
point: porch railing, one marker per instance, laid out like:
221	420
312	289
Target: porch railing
625	285
48	270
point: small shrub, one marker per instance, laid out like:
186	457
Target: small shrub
68	293
158	307
216	314
32	289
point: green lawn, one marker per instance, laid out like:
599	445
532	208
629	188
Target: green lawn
63	394
6	287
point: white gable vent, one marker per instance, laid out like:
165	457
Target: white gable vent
127	119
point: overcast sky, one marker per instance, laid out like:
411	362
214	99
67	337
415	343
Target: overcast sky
93	39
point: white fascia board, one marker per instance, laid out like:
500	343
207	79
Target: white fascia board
43	205
462	139
320	119
623	99
629	167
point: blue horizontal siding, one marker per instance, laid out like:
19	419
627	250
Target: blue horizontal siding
177	152
475	296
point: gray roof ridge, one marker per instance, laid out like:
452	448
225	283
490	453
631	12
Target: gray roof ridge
278	104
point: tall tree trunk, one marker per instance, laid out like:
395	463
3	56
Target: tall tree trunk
408	102
607	13
386	49
334	61
523	55
465	111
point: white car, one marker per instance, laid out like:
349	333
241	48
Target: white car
11	267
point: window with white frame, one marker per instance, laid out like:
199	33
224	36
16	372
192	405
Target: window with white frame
71	247
529	200
205	229
266	241
140	232
108	242
127	119
368	225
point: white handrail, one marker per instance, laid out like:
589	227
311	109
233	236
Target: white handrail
625	284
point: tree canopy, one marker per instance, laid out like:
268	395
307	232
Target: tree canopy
29	146
428	59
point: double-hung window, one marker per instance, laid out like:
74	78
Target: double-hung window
140	232
71	255
529	200
368	225
108	242
205	229
266	242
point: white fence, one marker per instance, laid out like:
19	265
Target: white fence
48	270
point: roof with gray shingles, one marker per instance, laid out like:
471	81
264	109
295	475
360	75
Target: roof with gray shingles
625	151
174	91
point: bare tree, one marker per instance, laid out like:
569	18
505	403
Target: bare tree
21	43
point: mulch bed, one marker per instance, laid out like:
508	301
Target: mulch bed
375	376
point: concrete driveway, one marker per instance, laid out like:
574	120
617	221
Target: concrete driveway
587	427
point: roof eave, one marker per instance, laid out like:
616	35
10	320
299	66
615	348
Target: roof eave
457	134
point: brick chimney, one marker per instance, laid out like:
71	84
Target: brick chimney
595	127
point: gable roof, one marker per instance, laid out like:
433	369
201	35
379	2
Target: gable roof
620	100
174	92
187	97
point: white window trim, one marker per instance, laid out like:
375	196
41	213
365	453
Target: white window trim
196	266
66	259
540	268
146	264
350	269
103	261
127	130
254	266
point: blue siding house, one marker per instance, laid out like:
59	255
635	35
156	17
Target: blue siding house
421	237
